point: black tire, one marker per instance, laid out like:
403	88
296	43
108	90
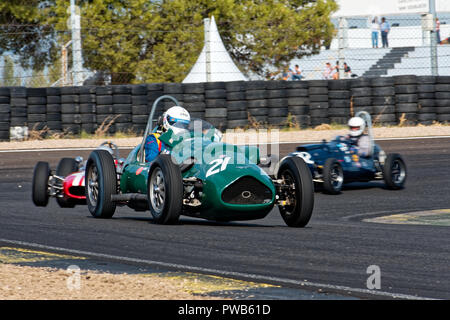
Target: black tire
169	210
296	170
333	176
40	184
65	167
100	184
104	100
394	171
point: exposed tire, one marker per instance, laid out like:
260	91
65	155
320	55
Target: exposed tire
100	184
333	176
394	171
40	184
65	167
294	170
165	190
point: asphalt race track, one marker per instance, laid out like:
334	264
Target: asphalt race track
332	253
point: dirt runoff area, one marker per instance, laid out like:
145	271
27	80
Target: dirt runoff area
32	283
240	136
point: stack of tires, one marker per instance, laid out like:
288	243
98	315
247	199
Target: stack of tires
339	101
54	120
318	97
70	110
5	113
194	99
37	108
383	101
426	105
277	104
442	96
361	95
122	108
88	109
154	91
406	99
236	105
104	108
216	104
18	112
297	95
139	108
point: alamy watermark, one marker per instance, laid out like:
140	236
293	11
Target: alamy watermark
374	280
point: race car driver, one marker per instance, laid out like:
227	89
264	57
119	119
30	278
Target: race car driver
175	118
359	142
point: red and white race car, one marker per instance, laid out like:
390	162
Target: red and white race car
67	183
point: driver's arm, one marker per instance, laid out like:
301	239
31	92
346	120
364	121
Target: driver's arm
364	146
153	146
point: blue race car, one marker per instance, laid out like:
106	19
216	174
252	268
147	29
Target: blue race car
334	163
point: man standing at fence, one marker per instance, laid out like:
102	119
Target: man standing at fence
438	31
384	28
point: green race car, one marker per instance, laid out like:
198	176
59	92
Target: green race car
199	176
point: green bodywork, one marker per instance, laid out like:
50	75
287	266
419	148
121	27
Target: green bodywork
216	164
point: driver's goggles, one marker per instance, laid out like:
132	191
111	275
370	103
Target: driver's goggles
172	121
354	128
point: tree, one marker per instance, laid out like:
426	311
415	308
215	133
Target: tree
8	74
155	41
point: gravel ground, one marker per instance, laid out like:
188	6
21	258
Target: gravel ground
230	136
31	283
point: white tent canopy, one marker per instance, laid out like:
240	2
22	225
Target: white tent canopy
214	62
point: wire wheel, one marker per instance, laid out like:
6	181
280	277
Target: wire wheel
92	186
157	190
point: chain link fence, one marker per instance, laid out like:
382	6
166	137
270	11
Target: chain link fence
123	61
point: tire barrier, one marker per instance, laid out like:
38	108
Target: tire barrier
109	109
442	99
406	99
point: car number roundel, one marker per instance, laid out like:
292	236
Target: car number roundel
305	156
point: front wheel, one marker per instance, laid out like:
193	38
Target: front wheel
295	173
394	171
40	184
100	184
165	190
333	176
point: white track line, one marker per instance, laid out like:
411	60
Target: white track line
266	143
254	277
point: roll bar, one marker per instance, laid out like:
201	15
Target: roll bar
149	128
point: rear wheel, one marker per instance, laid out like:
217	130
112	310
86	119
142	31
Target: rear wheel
65	167
333	176
40	184
296	174
100	184
394	171
165	190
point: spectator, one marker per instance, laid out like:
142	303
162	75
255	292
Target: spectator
347	70
335	74
287	74
375	27
297	74
385	28
327	73
438	31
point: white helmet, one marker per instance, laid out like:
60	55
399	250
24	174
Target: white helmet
356	126
176	118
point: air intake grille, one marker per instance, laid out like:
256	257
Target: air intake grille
247	190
